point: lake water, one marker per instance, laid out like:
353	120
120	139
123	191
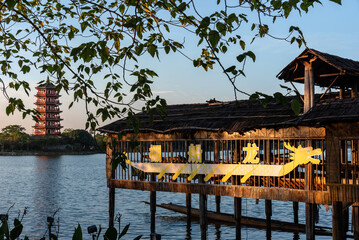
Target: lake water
75	187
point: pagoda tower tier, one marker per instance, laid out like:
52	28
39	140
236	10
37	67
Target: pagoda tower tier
47	103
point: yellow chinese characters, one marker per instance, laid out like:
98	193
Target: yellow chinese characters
252	151
195	153
155	153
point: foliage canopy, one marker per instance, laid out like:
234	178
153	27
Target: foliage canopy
78	42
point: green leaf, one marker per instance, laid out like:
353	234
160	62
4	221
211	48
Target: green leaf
230	69
337	1
243	44
213	38
221	28
124	231
16	231
152	50
111	234
11	4
205	22
78	233
295	105
241	57
251	55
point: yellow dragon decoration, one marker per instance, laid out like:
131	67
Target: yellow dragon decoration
299	156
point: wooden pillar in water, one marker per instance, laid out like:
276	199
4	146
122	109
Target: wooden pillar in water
216	160
337	222
153	207
218	204
295	212
188	206
268	209
111	206
309	207
238	216
110	174
203	212
355	222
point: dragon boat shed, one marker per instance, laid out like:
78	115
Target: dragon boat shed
244	150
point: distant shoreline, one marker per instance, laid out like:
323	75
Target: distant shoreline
52	153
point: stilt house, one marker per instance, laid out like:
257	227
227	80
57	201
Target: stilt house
243	150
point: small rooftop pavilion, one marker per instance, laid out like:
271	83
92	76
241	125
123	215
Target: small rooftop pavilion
243	150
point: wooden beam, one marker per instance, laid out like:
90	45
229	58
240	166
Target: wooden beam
322	76
331	84
280	194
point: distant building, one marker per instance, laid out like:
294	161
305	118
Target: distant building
47	103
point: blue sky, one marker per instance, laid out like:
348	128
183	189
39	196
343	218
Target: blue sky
328	28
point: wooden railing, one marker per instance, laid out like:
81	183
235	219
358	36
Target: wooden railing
349	162
271	152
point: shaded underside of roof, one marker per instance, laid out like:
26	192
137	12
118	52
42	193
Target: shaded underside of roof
326	67
236	116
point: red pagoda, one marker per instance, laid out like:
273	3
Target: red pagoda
47	104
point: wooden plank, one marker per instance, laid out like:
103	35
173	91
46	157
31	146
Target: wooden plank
318	197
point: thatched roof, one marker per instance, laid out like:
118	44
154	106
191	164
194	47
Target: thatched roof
326	68
331	111
236	116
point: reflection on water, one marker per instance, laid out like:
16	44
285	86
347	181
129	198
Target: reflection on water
76	185
47	173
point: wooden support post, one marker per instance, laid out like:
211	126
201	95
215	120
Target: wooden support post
203	212
346	220
355	222
341	93
238	216
268	209
308	85
309	207
111	206
309	221
153	207
218	204
337	222
188	206
295	212
153	211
